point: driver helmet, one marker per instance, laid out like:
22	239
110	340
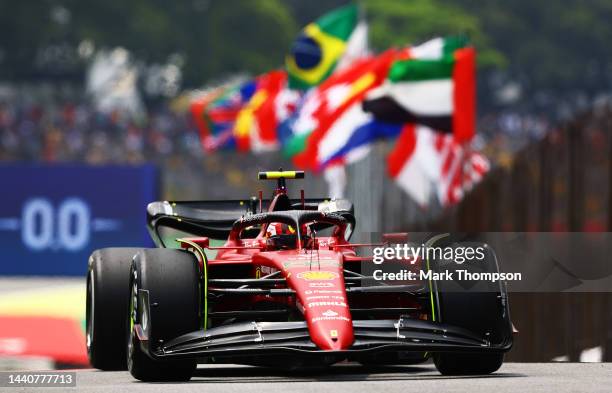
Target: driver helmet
278	228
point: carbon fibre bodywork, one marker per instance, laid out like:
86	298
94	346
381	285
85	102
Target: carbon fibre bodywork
215	219
310	301
293	338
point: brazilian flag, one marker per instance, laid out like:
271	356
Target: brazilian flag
317	50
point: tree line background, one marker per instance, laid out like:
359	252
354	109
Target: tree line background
550	49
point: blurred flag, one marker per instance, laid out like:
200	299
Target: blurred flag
215	113
407	164
327	114
356	48
434	85
319	104
351	137
426	163
258	121
321	46
196	107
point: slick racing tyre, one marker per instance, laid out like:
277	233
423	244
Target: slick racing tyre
481	307
171	280
107	286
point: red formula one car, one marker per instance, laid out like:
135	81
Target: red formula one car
285	288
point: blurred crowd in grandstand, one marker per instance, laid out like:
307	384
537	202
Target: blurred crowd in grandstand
75	131
195	43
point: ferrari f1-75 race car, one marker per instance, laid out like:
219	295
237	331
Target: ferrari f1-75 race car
277	283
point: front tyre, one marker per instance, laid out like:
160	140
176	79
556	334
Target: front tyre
171	279
480	307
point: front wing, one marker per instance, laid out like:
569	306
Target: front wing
283	338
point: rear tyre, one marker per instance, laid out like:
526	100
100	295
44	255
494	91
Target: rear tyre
480	307
108	278
171	278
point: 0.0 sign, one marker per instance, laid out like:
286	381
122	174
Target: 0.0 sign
66	227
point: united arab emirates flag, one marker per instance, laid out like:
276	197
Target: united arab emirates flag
321	45
434	85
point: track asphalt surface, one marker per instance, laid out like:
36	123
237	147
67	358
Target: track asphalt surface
512	377
65	297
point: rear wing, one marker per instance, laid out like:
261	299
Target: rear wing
214	219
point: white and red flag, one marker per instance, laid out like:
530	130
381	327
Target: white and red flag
425	163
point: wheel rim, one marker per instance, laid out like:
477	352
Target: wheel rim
90	311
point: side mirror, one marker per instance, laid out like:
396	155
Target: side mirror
200	241
395	237
203	242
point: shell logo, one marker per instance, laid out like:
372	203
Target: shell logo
317	275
